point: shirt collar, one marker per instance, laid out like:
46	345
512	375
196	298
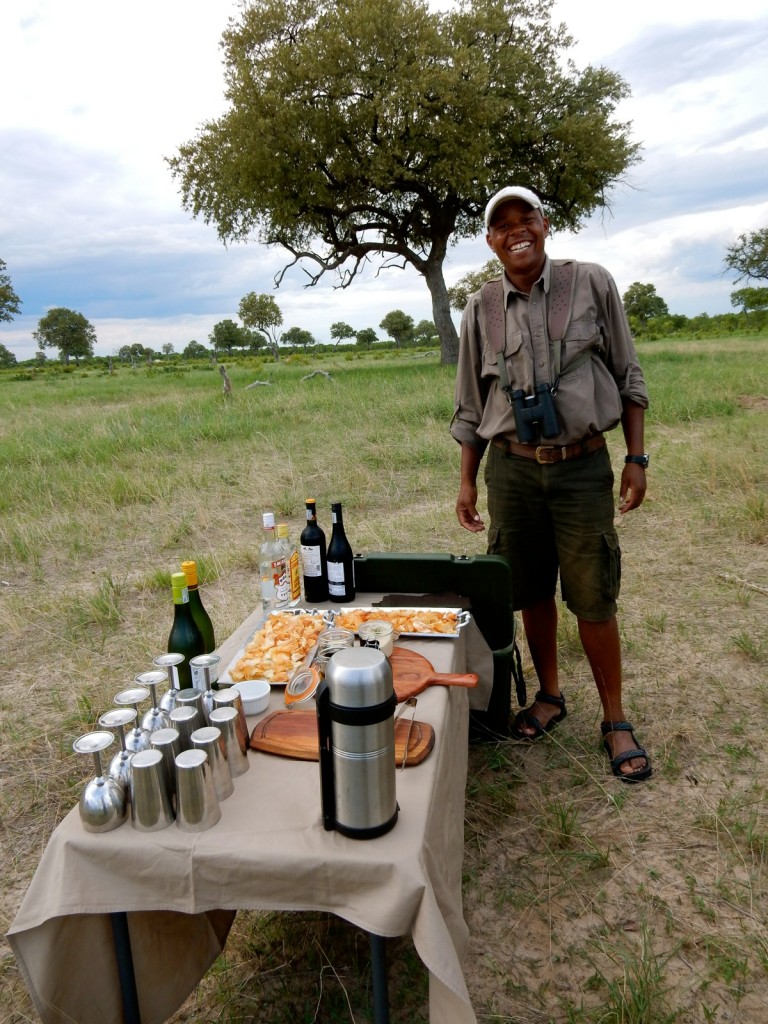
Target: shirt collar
545	279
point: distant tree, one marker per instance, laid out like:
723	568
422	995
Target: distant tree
424	332
133	353
68	331
7	358
458	295
366	130
40	357
748	256
341	331
298	337
642	304
261	313
399	327
750	299
227	335
167	349
366	337
194	350
10	303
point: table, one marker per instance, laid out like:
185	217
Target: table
268	852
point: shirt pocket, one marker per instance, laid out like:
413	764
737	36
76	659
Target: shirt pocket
514	359
582	336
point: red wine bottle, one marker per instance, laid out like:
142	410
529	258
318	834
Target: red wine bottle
313	558
341	568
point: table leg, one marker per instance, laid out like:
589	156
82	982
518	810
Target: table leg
124	956
379	979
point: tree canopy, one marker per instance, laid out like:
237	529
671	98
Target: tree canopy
748	256
378	129
262	314
641	303
7	358
399	326
459	294
68	331
10	303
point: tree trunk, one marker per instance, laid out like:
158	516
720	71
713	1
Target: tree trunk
441	311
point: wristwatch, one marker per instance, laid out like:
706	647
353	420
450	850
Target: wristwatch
640	460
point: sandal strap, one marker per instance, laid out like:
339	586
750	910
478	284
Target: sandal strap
548	698
606	727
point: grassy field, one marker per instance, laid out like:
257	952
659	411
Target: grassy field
588	902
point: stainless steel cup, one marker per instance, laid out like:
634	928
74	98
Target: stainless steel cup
211	741
168	742
230	696
151	808
185	719
197	806
192	697
226	719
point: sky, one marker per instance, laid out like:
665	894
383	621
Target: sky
96	96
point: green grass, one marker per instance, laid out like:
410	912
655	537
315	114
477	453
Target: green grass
587	901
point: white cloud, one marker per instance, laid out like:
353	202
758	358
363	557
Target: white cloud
97	96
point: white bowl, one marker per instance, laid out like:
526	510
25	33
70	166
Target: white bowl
255	694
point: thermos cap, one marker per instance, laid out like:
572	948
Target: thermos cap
359	677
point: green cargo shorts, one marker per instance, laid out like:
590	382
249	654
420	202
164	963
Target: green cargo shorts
556	518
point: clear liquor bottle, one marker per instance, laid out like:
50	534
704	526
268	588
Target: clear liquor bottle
272	568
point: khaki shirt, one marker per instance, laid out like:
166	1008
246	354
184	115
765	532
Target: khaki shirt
588	399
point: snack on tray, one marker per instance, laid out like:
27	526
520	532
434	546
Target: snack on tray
404	620
278	647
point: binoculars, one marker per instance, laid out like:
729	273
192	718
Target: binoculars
535	414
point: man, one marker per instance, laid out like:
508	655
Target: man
549	480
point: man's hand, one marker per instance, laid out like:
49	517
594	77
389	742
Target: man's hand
632	489
466	509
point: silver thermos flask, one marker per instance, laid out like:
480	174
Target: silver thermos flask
356	729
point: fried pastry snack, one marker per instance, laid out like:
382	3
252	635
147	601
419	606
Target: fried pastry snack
278	647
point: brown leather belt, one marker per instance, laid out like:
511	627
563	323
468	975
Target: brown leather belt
547	454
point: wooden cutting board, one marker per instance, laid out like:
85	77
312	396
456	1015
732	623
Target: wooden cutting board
412	673
293	734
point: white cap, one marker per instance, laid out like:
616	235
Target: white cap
512	192
268	519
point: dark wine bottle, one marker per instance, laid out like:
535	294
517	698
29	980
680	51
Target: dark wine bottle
185	637
341	567
199	614
313	558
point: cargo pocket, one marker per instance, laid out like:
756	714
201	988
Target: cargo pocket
494	537
611	565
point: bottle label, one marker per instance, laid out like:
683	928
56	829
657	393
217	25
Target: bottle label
294	574
282	583
338	584
311	561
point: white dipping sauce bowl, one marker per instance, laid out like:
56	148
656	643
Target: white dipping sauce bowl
255	694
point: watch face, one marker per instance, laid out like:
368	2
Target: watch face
640	460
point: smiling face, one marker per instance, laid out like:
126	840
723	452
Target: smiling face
516	234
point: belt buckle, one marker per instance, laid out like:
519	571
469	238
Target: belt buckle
538	454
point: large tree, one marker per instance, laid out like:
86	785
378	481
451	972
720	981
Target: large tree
399	326
226	335
641	303
748	256
10	303
361	129
68	331
7	358
262	314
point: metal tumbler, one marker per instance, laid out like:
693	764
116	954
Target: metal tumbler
197	806
227	720
210	740
151	808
